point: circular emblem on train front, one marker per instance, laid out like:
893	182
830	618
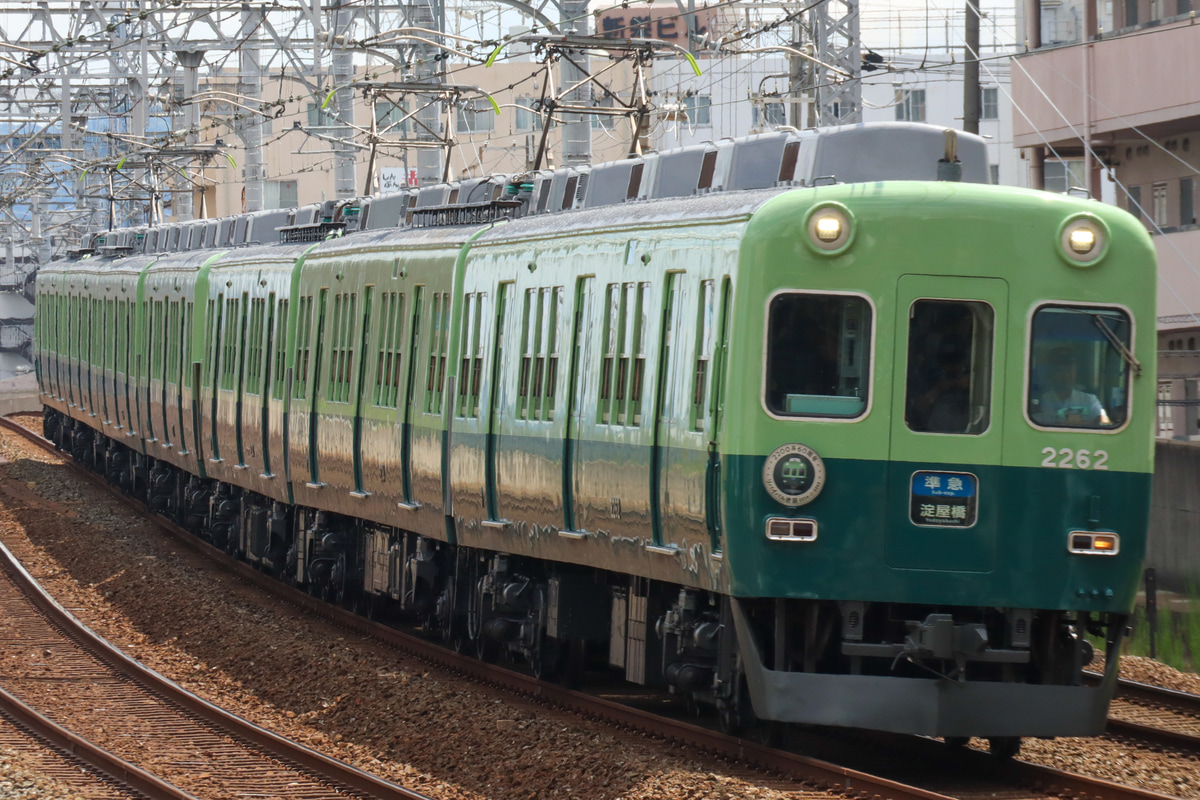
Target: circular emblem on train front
794	474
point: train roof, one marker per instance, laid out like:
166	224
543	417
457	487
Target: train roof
865	152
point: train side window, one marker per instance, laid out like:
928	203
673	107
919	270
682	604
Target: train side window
281	321
1079	367
818	355
949	384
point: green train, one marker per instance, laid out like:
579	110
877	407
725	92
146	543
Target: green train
787	424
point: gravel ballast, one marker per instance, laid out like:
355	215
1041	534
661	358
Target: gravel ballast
305	679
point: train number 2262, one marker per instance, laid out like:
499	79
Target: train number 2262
1066	458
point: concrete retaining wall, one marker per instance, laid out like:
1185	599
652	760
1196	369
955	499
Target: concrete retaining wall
23	401
1174	547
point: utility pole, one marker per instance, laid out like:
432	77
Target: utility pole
971	92
250	88
837	95
190	60
577	128
344	179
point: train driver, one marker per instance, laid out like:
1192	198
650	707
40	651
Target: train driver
1064	403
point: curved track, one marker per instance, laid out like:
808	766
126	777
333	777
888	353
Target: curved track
1158	717
70	674
938	772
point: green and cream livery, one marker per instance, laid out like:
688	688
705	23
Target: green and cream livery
783	424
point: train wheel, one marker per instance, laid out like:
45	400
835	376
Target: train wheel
1004	747
548	659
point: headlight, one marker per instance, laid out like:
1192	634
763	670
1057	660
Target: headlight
830	228
1083	240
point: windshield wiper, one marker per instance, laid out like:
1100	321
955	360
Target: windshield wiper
1117	343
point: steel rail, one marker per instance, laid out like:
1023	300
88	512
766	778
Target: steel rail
336	773
101	761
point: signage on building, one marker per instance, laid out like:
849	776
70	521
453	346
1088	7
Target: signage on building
658	22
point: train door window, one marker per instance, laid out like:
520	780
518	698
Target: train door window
612	328
186	357
523	376
949	382
341	356
230	340
623	360
1079	364
704	352
471	366
538	353
552	345
638	349
304	324
158	338
254	346
281	319
391	330
210	327
818	355
439	346
121	364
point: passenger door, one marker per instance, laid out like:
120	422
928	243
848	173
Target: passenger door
943	492
581	347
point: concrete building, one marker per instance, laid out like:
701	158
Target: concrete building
1121	98
740	96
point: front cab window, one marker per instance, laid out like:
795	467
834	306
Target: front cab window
1078	367
818	353
949	384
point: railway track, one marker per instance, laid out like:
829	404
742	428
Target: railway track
87	771
182	745
913	768
1157	717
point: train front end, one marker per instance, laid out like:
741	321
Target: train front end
938	458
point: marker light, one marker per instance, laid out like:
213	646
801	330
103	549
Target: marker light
791	530
1082	240
828	228
1094	544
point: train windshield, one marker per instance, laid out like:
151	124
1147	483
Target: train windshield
949	388
818	353
1079	367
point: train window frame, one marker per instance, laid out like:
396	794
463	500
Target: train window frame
871	353
973	351
1027	367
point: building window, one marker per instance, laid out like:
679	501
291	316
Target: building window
527	118
603	121
320	117
1156	10
989	104
1187	210
1135	202
768	112
1131	12
281	194
910	105
476	116
699	109
1062	176
391	117
1160	205
994	170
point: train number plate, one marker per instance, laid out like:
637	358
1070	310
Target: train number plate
944	499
